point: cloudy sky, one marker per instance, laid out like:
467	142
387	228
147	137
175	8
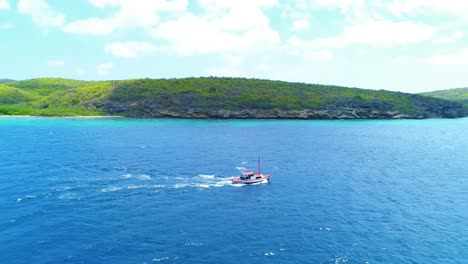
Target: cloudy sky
403	45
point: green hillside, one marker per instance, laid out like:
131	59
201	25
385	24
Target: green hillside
11	95
46	86
237	93
458	95
213	97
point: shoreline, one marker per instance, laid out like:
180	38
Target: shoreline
217	118
69	117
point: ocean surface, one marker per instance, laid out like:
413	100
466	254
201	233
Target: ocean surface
159	191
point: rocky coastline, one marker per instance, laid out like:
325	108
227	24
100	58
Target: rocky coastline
146	110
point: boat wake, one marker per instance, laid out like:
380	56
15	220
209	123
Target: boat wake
80	188
143	181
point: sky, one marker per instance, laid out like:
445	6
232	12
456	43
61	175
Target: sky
399	45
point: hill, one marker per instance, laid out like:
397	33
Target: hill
457	95
219	98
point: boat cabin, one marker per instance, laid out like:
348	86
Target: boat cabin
248	174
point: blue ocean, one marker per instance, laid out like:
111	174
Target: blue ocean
160	191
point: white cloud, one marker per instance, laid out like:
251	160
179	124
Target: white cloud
80	71
42	14
263	67
219	26
388	33
4	4
56	63
7	26
130	49
450	59
412	7
104	69
375	34
93	26
315	49
454	37
237	15
234	59
355	9
131	14
217	33
301	24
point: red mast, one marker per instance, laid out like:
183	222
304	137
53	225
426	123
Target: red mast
259	172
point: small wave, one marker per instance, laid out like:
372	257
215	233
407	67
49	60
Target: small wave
180	185
341	260
61	189
194	244
244	162
111	189
126	176
241	168
132	187
26	197
269	254
69	195
326	228
144	177
206	176
160	259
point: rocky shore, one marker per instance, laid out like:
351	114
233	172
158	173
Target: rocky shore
376	111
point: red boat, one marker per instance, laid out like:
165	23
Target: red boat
249	177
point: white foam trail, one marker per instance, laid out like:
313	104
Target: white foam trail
194	244
111	189
160	259
180	185
26	197
206	176
132	187
126	176
69	195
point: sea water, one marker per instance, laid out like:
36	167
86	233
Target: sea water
159	191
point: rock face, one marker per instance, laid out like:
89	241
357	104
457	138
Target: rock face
344	109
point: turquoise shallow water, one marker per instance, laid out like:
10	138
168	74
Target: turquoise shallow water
150	191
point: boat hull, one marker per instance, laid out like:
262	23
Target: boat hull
262	178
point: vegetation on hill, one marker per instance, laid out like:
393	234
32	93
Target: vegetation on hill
46	86
10	95
457	95
151	97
